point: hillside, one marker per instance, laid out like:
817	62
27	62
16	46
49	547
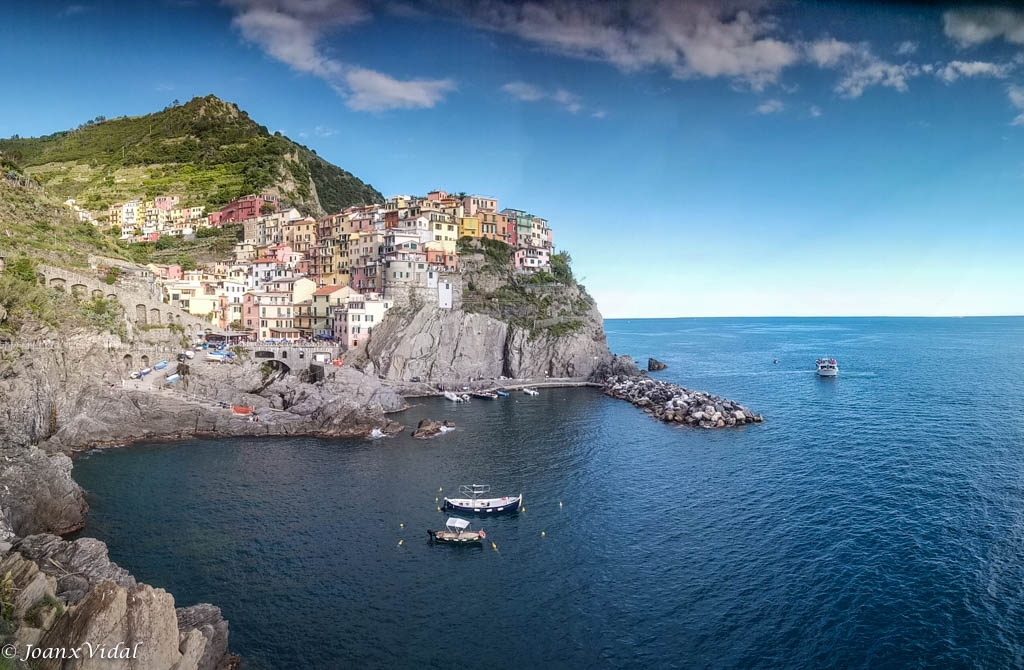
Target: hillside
207	151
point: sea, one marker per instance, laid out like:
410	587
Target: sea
874	520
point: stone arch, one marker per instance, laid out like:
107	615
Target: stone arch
278	366
79	290
58	283
97	293
154	316
111	296
145	361
140	314
127	362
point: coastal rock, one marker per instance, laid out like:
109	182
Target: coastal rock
428	428
672	403
107	606
37	493
653	365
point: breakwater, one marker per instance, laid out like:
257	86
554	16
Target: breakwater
675	404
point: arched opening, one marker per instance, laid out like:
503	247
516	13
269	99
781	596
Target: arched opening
145	361
154	317
127	362
58	283
79	290
140	314
278	366
111	296
97	293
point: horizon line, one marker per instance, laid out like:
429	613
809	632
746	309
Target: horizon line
828	316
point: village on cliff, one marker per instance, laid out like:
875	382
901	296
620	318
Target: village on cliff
297	278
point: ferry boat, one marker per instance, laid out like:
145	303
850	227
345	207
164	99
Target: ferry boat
474	502
456	531
827	367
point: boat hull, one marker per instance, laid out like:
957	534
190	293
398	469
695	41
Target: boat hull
828	373
484	506
453	537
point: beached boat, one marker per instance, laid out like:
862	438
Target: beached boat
530	391
827	367
135	374
455	397
503	393
486	395
173	378
190	354
241	410
160	366
475	501
145	371
457	531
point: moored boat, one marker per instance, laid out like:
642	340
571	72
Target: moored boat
454	397
486	395
502	392
827	367
476	502
529	391
457	531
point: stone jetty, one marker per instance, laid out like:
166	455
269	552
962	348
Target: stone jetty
672	403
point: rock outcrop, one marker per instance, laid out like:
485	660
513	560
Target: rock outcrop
37	493
70	596
428	428
653	365
672	403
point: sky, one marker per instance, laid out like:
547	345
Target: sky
736	158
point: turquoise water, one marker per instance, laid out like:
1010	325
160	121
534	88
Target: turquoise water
874	520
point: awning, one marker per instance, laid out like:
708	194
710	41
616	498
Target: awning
455	522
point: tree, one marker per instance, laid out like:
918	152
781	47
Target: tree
267	208
186	261
561	267
164	242
23	268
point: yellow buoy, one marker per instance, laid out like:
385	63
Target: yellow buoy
438	508
494	546
437	499
400	542
439	489
401	525
559	503
543	534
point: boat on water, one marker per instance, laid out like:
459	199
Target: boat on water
160	366
502	392
455	397
486	395
530	391
475	501
827	367
456	531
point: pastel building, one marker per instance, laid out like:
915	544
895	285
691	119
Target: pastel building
355	320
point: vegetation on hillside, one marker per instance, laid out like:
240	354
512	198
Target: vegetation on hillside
206	150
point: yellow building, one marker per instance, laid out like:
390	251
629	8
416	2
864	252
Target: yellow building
469	226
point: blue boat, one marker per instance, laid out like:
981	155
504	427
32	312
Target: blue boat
503	394
475	503
160	366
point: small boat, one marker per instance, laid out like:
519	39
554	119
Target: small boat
454	397
216	358
190	354
530	391
173	378
134	374
145	371
160	366
827	367
503	393
486	395
474	502
241	410
457	532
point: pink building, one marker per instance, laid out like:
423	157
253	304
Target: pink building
246	207
166	202
532	259
251	311
173	272
442	259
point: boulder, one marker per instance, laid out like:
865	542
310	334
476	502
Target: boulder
428	428
653	365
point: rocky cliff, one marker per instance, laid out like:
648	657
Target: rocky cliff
518	326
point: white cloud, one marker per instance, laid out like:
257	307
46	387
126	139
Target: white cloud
968	27
291	31
1016	95
957	69
375	91
689	39
74	10
815	111
906	48
770	107
521	90
600	114
324	131
860	67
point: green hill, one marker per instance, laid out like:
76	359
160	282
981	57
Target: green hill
207	151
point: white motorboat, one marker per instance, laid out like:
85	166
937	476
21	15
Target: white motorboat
454	397
530	391
827	367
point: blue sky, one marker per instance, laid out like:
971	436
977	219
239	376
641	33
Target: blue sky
697	159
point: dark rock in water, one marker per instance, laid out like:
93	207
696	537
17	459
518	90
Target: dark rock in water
653	365
672	403
428	428
614	366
